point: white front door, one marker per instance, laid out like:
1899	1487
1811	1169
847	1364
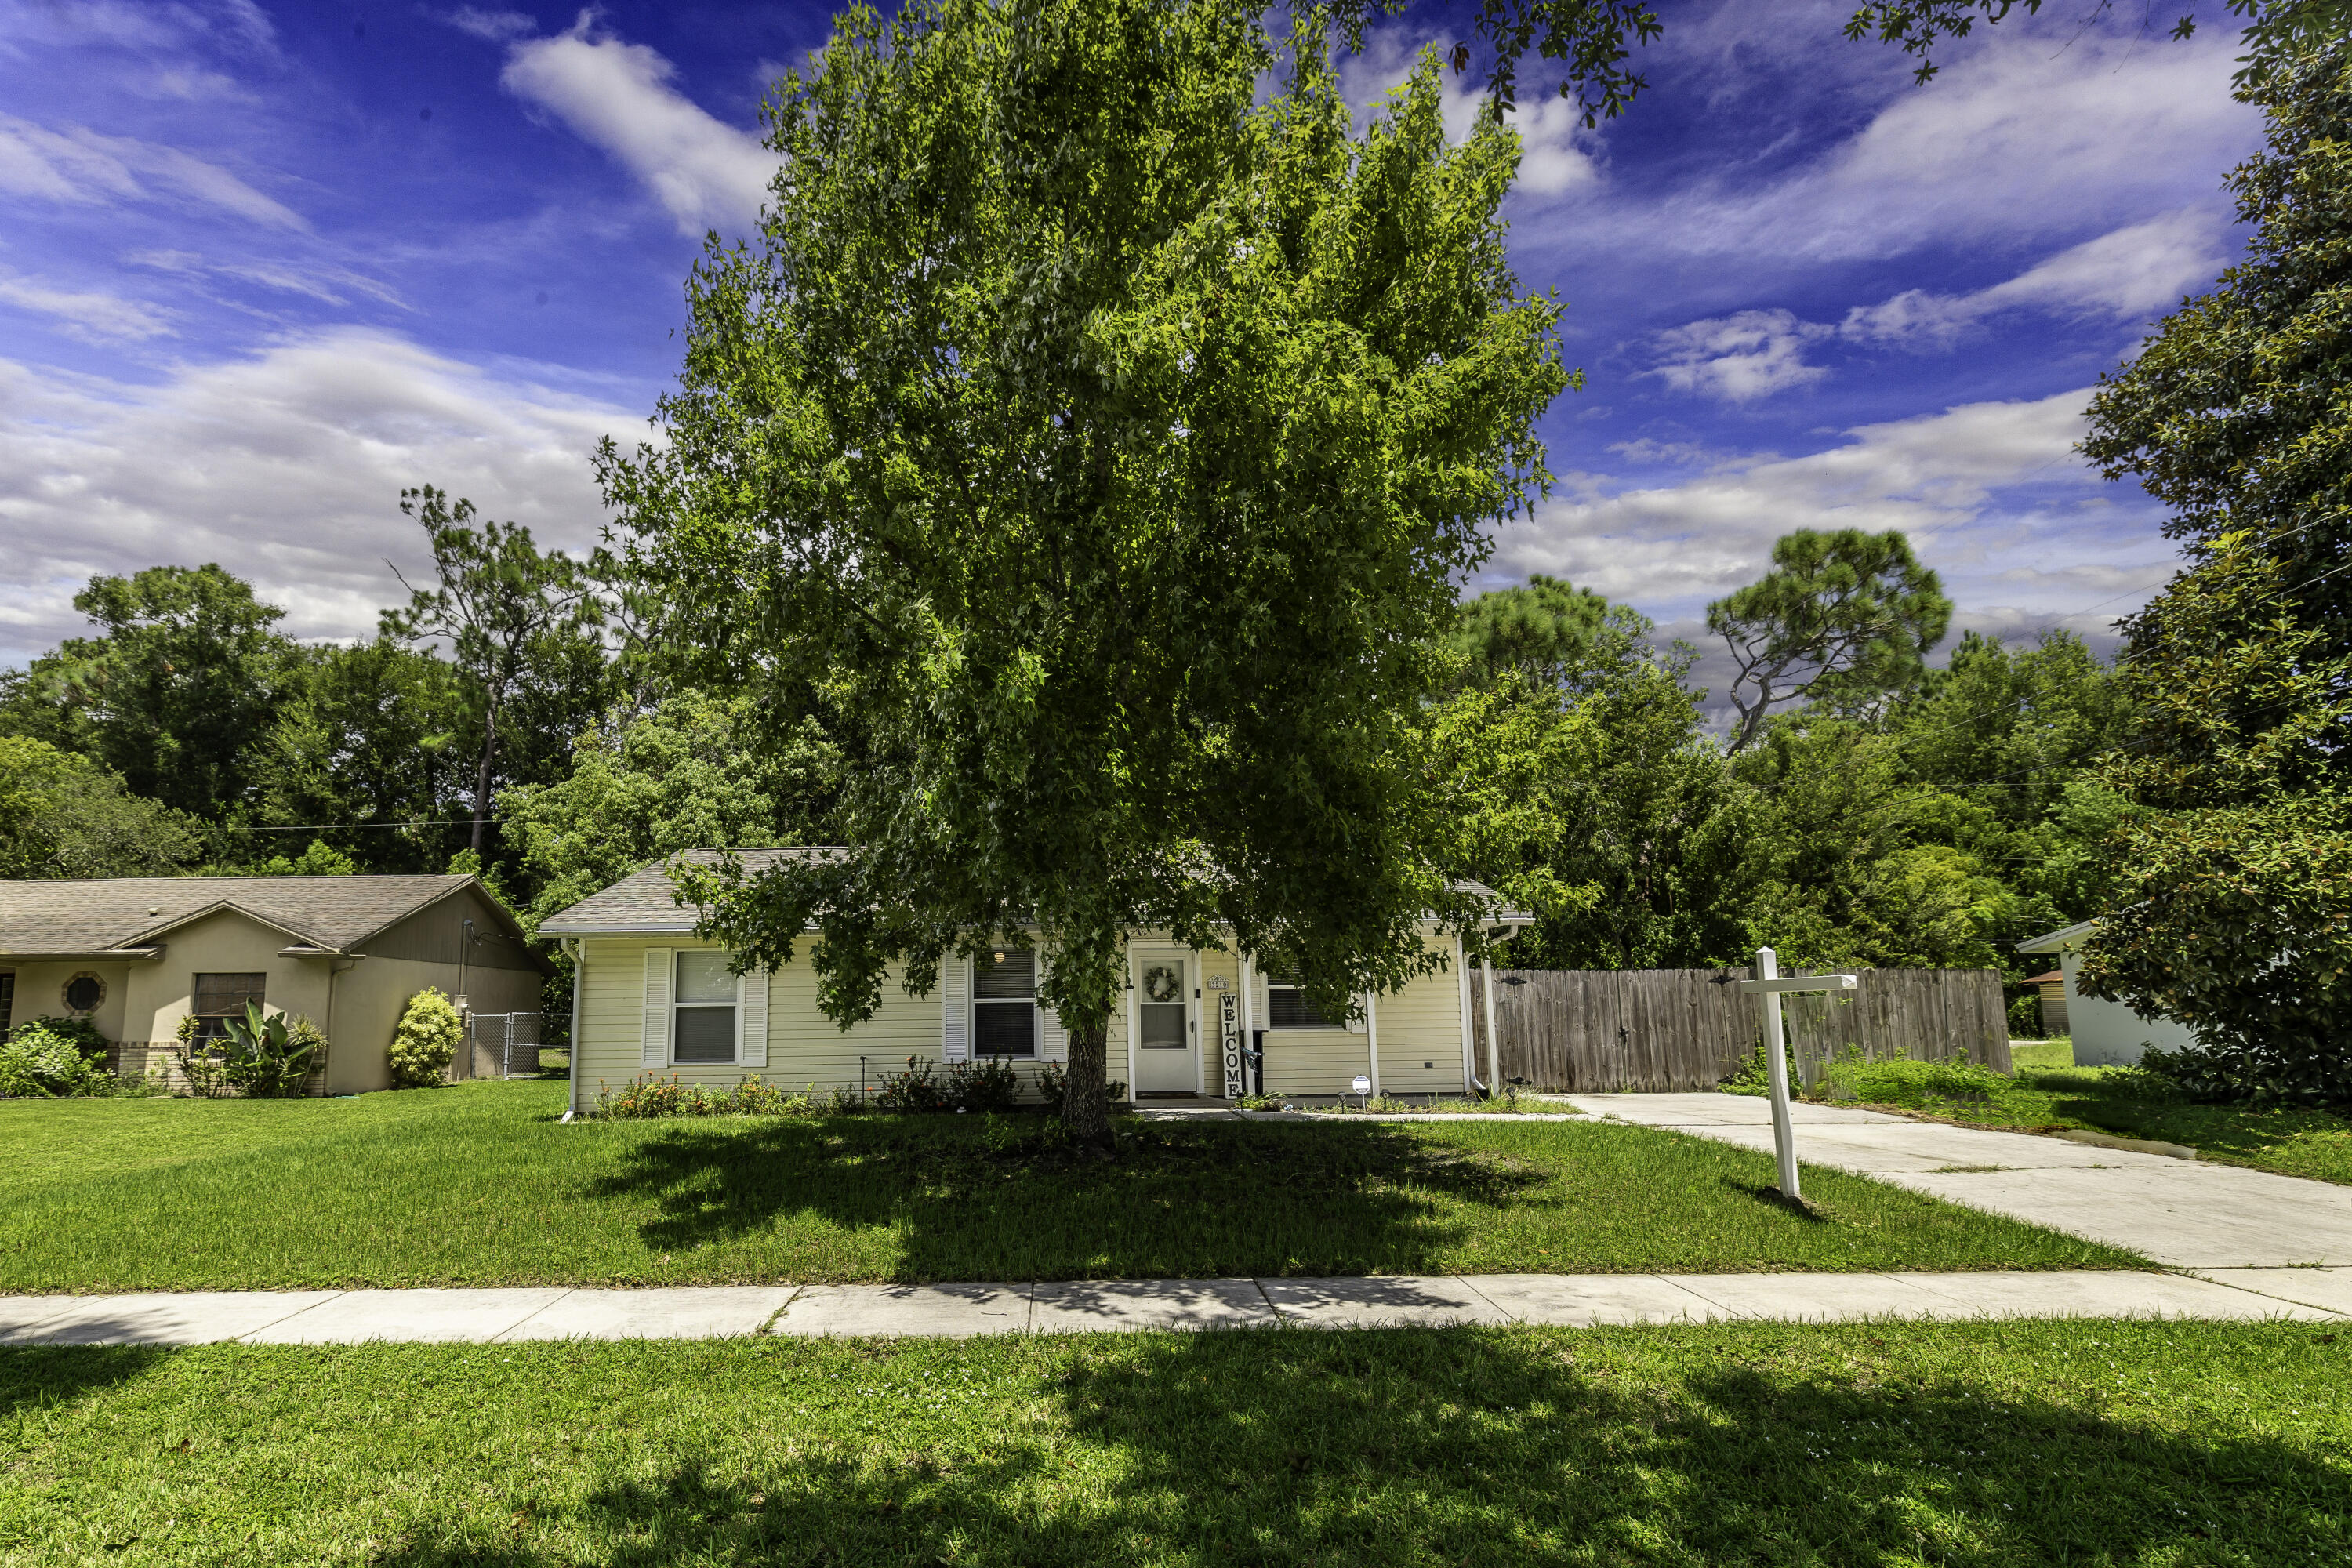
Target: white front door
1167	1041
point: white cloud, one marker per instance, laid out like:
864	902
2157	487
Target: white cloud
86	313
285	466
1554	157
623	98
82	167
2018	137
1670	549
330	285
497	26
1740	357
2131	273
1991	495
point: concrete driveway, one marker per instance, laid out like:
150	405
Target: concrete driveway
2185	1214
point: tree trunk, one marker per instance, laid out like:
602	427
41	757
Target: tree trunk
1086	1089
482	775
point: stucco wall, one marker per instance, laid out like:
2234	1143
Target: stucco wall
40	988
147	999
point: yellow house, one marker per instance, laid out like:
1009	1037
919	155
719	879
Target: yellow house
135	955
1198	1023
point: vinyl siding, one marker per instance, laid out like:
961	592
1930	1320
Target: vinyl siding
1422	1022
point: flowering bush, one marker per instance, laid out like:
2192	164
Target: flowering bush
988	1084
427	1040
913	1089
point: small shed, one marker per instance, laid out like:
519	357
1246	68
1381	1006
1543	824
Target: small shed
2052	987
2107	1034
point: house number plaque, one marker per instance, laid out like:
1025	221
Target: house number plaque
1229	1038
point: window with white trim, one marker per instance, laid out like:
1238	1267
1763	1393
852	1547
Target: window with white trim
1005	1002
1287	1007
703	1005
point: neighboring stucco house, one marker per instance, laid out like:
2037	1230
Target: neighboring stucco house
651	996
135	955
2107	1034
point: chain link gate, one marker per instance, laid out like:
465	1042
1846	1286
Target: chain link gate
506	1044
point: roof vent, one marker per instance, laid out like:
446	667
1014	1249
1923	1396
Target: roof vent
154	909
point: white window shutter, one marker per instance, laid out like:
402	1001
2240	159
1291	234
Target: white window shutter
955	1010
661	969
752	1019
1361	1022
1053	1040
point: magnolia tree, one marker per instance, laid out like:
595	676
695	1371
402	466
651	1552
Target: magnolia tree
1105	437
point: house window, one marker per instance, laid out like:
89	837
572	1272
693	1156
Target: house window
216	998
704	1028
1004	1004
1286	1008
8	1001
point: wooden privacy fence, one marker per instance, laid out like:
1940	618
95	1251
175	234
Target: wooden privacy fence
1660	1030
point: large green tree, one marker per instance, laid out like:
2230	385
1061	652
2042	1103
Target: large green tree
62	814
519	622
364	751
173	694
1107	436
1845	618
688	774
2234	911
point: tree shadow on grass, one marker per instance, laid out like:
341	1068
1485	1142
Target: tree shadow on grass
35	1375
1458	1446
1180	1201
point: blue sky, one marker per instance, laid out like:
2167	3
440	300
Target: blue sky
263	265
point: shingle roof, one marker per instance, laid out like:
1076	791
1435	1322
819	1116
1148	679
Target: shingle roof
648	901
74	916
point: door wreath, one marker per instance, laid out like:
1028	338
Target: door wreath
1164	982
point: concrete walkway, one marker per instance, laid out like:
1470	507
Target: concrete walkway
1585	1300
2185	1214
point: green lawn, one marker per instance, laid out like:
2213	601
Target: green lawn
2049	1090
2020	1443
477	1184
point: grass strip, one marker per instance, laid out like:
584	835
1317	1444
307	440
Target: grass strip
2048	1090
2023	1443
475	1184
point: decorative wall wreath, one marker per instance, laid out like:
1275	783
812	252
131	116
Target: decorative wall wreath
1164	982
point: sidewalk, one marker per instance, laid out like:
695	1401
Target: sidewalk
2184	1214
956	1311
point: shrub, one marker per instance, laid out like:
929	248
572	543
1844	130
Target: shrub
38	1062
201	1060
2025	1016
427	1041
913	1089
988	1084
267	1059
1052	1078
650	1095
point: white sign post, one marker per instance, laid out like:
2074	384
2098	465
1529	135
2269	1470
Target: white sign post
1767	986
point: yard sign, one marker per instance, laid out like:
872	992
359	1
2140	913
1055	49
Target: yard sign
1768	986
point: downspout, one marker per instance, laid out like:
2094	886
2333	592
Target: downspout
1372	1039
1132	1090
1249	1016
1493	1049
335	966
1469	1049
576	948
